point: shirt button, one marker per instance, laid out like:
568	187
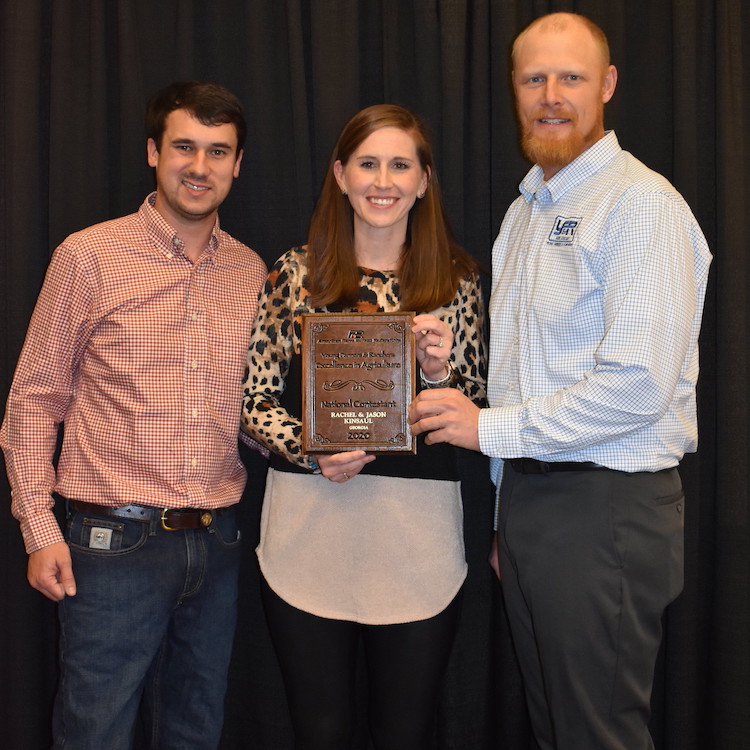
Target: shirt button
194	364
194	316
193	462
195	412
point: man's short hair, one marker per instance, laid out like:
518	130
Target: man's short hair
561	22
209	103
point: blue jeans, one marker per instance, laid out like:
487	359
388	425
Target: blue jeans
150	628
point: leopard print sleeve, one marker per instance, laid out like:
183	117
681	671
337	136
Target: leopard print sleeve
466	316
275	340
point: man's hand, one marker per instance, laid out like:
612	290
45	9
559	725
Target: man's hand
51	572
448	415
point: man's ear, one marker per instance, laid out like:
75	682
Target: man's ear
152	152
609	84
236	172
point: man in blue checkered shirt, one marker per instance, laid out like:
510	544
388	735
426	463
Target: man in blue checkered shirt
599	276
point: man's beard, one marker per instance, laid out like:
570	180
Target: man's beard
554	152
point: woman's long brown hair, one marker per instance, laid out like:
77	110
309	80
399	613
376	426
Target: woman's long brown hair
432	262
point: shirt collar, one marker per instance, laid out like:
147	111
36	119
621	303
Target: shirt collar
164	235
579	170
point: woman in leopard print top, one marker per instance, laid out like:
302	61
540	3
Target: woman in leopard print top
353	545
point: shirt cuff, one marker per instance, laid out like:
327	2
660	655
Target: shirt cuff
499	431
41	532
254	445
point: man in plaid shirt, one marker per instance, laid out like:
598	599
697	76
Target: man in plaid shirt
137	344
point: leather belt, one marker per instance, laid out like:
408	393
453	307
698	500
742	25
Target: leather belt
171	519
534	466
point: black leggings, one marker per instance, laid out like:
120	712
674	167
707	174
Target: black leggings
405	666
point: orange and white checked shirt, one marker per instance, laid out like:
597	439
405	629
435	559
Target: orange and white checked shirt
141	354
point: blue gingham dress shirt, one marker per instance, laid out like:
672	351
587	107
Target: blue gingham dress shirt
599	277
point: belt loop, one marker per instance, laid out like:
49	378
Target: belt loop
542	467
533	466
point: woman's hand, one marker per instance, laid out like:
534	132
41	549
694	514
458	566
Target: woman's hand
434	345
340	467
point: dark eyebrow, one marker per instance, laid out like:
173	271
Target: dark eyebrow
190	142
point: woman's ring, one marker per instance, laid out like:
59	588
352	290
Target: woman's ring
440	343
346	476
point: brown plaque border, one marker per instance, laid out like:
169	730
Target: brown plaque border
399	438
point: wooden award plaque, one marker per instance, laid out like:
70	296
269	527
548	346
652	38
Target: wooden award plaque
358	379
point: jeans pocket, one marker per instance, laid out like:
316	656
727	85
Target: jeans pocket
102	535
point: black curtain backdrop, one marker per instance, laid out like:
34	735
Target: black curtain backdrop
74	79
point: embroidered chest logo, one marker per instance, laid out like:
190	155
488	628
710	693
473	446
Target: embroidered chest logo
564	230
